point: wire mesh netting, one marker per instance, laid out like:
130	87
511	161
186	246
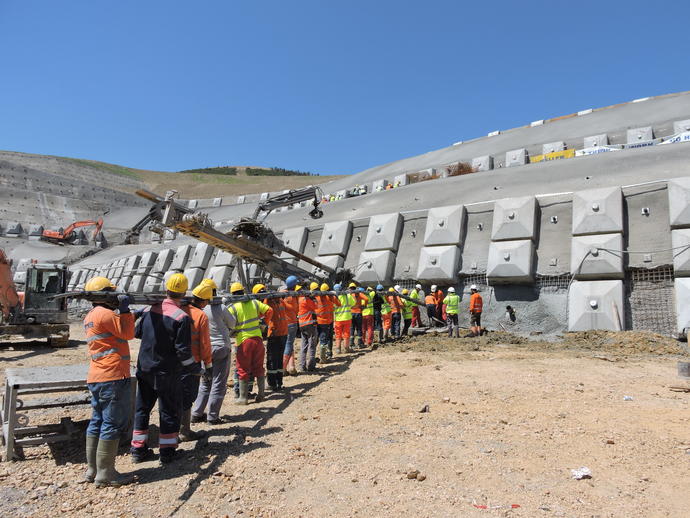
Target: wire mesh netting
650	300
553	283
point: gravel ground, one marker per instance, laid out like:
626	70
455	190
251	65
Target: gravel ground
507	420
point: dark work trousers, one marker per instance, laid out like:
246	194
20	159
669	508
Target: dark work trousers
325	332
356	329
165	388
431	313
190	389
275	345
395	324
406	326
378	324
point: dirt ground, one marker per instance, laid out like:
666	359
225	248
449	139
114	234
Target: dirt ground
507	420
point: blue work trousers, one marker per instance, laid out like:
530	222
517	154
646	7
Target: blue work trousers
111	402
290	341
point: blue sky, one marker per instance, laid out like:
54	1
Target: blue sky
327	87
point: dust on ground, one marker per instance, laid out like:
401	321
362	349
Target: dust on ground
508	418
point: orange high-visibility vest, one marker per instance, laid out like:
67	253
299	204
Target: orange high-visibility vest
306	314
201	335
277	324
476	303
106	336
324	308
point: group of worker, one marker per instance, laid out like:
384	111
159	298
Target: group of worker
184	357
442	310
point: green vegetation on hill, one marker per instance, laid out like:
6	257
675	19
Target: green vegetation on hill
231	171
110	168
249	171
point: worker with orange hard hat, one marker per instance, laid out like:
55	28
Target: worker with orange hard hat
108	380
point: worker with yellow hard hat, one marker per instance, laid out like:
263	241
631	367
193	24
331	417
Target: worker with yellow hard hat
201	349
213	384
407	312
165	330
307	325
291	307
108	327
276	336
324	322
250	346
343	320
361	300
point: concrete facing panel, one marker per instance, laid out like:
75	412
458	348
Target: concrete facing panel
379	185
514	218
411	241
681	256
202	254
598	211
596	140
516	157
438	263
475	246
294	238
384	232
444	225
552	147
332	261
643	134
595	305
679	202
682	286
163	260
223	258
180	259
483	163
511	261
589	262
375	267
194	276
335	238
681	126
221	276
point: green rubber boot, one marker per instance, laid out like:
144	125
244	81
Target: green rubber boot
106	475
91	447
244	388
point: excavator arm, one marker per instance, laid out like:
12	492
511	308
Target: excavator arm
9	298
65	235
248	240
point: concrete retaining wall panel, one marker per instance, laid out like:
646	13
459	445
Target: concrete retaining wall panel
163	260
201	256
222	258
179	261
152	284
438	263
400	180
588	262
553	244
598	211
294	238
483	163
681	126
681	256
14	229
379	185
335	238
444	225
596	140
35	231
332	261
552	147
643	134
220	275
514	218
595	305
682	286
132	264
411	241
475	248
511	261
359	237
194	276
679	202
647	227
516	157
375	267
384	232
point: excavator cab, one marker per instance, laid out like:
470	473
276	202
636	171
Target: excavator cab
43	281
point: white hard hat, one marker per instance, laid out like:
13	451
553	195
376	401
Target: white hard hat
473	287
418	286
433	287
451	290
397	287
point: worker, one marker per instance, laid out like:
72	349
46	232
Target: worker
307	327
396	312
416	320
378	311
343	320
276	338
386	316
165	330
452	303
356	322
407	312
439	296
368	318
476	306
324	321
213	385
250	346
109	383
291	307
430	302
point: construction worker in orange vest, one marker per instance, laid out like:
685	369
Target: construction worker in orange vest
307	326
368	318
275	341
430	302
343	320
250	346
324	322
476	306
203	355
109	383
440	313
356	323
396	312
291	306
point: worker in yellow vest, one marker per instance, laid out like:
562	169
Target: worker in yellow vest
343	320
452	303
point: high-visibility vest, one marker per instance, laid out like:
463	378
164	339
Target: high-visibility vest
476	303
414	294
307	312
201	336
430	299
385	306
452	301
291	306
344	312
395	302
106	336
407	309
368	310
247	315
324	309
278	323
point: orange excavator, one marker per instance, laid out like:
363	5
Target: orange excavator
34	313
68	235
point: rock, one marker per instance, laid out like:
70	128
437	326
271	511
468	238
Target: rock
446	400
610	441
412	474
424	409
421	477
502	421
348	396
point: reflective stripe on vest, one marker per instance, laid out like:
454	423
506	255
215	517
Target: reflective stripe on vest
107	352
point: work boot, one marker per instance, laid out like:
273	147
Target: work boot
106	475
261	387
242	396
186	433
168	455
323	357
199	418
141	454
91	447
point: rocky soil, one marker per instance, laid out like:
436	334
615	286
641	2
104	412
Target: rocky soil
429	427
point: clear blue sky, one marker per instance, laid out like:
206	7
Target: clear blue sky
328	87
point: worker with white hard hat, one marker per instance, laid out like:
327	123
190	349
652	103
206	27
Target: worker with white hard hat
416	294
452	303
476	305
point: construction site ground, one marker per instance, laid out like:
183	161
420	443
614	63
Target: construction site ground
507	418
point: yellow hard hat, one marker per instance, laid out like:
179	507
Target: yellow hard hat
352	285
235	287
257	288
392	290
298	287
203	291
314	286
210	283
325	287
99	284
406	291
177	283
